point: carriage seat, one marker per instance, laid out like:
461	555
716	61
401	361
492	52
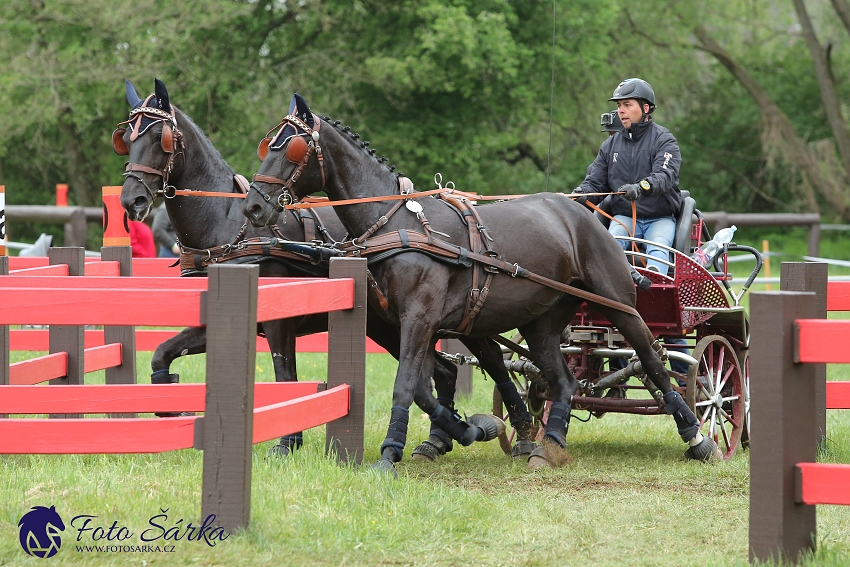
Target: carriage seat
684	220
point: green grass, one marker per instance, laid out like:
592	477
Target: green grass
627	497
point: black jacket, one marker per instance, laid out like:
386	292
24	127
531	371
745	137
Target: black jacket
649	152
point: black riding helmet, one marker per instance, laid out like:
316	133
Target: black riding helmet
610	122
637	89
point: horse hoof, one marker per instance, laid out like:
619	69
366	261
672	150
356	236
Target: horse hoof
537	459
426	451
706	451
278	452
548	453
385	466
491	425
523	448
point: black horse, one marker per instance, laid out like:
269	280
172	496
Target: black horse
551	235
205	222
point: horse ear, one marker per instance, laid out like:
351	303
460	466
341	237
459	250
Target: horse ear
302	110
162	95
133	97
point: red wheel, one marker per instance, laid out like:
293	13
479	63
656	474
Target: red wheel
717	394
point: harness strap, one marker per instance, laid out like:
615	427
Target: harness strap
131	167
419	241
198	259
309	224
478	241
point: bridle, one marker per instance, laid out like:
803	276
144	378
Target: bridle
172	138
298	151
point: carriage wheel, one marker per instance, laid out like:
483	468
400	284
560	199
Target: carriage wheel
716	393
744	359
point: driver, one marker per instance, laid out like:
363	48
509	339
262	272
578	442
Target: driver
641	160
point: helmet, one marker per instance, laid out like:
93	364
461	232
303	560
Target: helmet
635	88
610	122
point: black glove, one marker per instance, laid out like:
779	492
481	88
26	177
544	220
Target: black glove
581	199
632	190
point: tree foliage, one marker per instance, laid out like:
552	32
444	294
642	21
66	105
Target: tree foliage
461	87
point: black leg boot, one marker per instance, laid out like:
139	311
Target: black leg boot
552	451
706	450
392	449
520	419
163	377
286	445
439	442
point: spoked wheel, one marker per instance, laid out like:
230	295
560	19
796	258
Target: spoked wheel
744	360
716	393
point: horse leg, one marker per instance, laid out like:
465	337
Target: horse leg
445	379
414	363
280	335
489	355
191	340
635	331
543	337
412	382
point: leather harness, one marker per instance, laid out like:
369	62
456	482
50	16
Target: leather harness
480	256
195	260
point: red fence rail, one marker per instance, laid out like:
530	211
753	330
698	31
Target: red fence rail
229	302
787	353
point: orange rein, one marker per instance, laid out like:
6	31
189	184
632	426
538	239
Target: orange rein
634	221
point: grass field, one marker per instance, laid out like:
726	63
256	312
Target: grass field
626	498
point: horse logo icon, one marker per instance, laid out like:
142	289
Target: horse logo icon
39	530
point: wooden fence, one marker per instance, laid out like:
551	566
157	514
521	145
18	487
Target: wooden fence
229	302
791	342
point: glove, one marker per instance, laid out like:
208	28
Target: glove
632	190
581	199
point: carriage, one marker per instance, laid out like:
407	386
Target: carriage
694	303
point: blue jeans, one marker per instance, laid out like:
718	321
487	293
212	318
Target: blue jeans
661	230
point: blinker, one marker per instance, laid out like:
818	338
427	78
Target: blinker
296	149
167	140
263	148
118	143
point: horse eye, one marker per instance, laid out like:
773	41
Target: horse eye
157	136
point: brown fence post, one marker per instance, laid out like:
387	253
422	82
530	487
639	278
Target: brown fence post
347	362
76	228
464	371
814	239
125	335
69	338
811	276
230	315
783	427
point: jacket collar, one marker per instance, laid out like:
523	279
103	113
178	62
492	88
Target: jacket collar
637	130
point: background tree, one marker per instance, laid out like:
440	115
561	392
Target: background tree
461	87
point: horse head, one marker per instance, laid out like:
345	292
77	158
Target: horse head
286	153
151	140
